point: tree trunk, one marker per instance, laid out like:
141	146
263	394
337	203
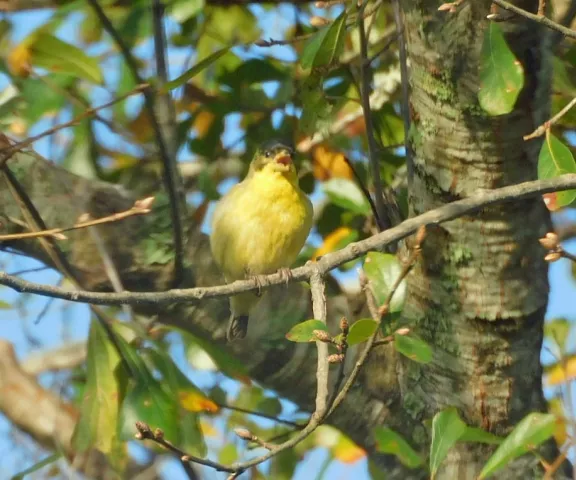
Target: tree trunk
479	291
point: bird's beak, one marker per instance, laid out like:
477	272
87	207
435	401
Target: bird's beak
284	158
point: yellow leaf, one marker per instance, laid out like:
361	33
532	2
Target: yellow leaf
555	407
561	372
203	122
347	451
19	60
196	402
208	429
332	241
329	163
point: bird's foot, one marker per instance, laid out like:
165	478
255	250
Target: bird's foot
258	281
285	274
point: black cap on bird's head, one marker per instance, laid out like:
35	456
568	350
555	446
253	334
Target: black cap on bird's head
274	152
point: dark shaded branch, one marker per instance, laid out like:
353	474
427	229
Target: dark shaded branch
567	32
171	177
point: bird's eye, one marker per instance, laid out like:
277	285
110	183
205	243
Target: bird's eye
267	153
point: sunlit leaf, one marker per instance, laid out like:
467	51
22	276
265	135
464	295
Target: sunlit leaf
557	331
447	429
100	405
501	74
532	430
561	372
361	330
556	159
329	163
51	53
383	270
388	441
346	194
326	45
336	240
303	332
346	451
413	347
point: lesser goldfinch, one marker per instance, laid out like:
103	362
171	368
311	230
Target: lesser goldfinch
260	226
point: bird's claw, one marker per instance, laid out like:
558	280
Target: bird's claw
285	274
258	281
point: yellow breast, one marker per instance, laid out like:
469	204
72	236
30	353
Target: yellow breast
260	225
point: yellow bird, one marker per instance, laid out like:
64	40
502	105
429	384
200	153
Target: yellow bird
260	226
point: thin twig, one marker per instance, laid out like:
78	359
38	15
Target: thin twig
327	263
342	347
374	158
140	207
404	105
146	433
567	32
542	129
250	437
261	415
377	317
171	177
8	151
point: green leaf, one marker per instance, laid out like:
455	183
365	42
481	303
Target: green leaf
254	70
361	331
556	159
148	402
447	429
227	364
326	45
100	406
388	441
383	270
37	466
557	331
501	74
192	435
316	109
532	430
270	406
196	69
189	396
51	53
474	434
346	194
303	332
413	348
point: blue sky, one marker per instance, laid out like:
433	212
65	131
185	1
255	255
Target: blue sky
66	322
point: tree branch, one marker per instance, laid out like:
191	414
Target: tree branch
567	32
365	71
324	265
172	180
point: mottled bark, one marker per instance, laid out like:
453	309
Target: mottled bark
479	293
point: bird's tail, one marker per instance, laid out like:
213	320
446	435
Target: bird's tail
237	328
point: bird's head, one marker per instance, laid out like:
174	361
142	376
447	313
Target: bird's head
274	157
